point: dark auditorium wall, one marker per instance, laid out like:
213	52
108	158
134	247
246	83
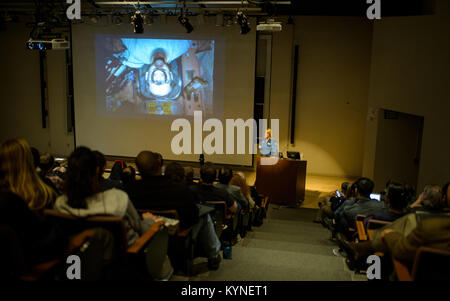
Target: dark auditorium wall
332	91
20	101
410	74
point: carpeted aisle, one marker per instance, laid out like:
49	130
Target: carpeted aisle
287	247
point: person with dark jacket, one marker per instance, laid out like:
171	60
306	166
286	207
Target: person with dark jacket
155	191
207	192
39	240
363	205
112	181
225	176
397	199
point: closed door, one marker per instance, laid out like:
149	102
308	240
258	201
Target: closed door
399	143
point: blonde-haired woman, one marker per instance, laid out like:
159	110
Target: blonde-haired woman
239	180
18	175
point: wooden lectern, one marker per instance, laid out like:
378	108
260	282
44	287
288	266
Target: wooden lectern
284	182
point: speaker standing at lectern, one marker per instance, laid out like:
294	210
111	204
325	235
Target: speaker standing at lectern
268	147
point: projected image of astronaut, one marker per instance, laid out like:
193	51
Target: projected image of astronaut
160	76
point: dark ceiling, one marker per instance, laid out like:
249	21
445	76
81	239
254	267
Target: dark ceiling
255	7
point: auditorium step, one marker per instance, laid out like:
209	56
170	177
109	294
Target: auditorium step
287	247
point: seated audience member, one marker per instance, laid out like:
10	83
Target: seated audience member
350	200
430	199
403	227
225	176
128	176
363	204
116	170
40	241
431	232
331	203
155	191
111	182
255	211
207	192
83	195
446	196
189	176
397	198
18	175
243	206
46	165
175	172
239	180
36	157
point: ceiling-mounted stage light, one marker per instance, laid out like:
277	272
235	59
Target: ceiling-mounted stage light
185	22
138	22
243	22
95	19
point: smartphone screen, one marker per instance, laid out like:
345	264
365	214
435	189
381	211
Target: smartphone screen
375	196
338	193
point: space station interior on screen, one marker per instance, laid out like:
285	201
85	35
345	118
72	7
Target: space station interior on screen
158	76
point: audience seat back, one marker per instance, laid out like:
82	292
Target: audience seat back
72	224
145	256
373	224
85	244
431	264
219	216
359	222
11	254
180	246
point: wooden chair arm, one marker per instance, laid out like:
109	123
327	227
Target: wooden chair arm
139	244
41	269
78	240
184	233
360	217
402	270
174	213
377	222
361	230
370	230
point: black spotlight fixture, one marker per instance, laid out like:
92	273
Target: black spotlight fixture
243	22
185	22
138	22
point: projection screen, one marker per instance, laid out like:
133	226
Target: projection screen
129	88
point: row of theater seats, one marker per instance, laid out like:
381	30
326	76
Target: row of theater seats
429	263
101	244
407	233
